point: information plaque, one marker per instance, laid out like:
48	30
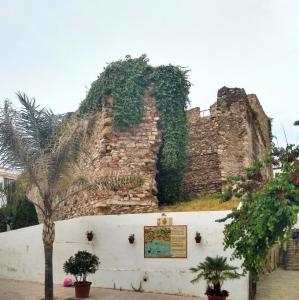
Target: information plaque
165	241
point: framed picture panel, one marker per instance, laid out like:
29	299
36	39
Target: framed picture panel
165	241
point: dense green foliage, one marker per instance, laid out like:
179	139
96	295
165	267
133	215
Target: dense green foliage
81	264
171	92
126	80
268	212
215	270
25	215
18	212
3	225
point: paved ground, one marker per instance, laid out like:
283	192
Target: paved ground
278	285
24	290
275	286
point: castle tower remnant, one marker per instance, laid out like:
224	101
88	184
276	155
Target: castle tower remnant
235	134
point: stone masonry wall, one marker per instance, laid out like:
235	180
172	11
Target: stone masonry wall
236	133
111	153
234	117
203	169
262	144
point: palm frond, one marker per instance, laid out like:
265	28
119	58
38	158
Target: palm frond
38	124
230	275
196	279
105	183
14	151
65	149
24	134
116	181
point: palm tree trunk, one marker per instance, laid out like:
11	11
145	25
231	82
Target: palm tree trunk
48	250
217	288
48	239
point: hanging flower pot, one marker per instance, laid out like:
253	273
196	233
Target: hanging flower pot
89	235
197	237
295	179
280	196
131	238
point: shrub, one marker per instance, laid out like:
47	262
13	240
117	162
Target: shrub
81	264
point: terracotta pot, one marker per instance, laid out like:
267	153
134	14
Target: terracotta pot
131	240
210	297
296	180
82	289
197	239
89	236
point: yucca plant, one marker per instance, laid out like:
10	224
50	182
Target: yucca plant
215	270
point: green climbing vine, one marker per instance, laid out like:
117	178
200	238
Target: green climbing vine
125	80
269	209
171	92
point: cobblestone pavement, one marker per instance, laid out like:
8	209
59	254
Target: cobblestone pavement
278	285
24	290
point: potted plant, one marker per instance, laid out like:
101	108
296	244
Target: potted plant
131	238
197	237
89	235
80	265
215	270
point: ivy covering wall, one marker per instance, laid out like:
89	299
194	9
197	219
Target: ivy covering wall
125	80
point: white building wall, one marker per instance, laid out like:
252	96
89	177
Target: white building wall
297	224
122	264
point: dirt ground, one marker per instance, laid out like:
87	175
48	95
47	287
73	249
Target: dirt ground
25	290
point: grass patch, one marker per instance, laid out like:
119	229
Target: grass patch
205	203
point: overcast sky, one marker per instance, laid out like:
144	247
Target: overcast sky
53	50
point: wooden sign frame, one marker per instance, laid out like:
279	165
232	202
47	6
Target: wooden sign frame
169	226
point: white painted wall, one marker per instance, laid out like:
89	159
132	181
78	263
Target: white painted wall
122	264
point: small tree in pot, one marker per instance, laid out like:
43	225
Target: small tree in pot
215	271
80	265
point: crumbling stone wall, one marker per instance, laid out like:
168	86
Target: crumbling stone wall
128	152
236	133
203	169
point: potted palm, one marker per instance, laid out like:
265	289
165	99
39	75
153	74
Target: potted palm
80	265
215	270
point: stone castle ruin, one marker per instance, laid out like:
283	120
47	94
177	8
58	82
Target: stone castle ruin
234	134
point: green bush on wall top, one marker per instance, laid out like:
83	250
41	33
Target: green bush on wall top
125	80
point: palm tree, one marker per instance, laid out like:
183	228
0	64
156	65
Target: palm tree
45	146
215	271
27	143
